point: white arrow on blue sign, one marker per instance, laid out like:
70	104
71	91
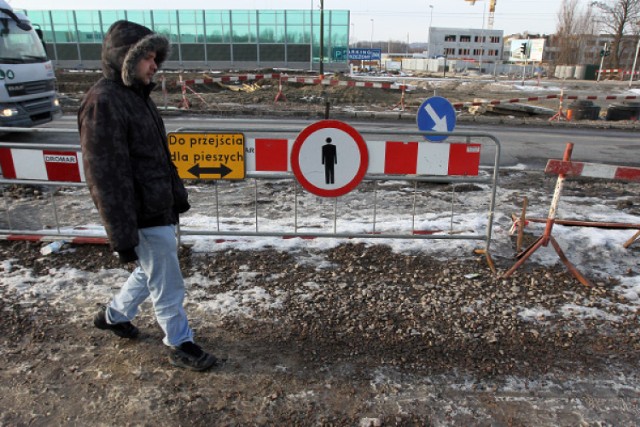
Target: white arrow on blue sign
436	114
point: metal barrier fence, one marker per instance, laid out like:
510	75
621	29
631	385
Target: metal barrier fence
273	204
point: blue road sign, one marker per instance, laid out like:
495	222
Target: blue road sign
365	54
436	114
339	54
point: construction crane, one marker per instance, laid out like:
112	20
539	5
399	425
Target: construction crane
492	11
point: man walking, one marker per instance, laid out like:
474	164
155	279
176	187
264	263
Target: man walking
136	188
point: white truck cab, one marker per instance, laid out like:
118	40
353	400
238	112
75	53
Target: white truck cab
27	79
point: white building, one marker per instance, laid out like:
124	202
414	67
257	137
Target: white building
467	44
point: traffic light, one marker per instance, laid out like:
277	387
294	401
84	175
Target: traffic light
523	49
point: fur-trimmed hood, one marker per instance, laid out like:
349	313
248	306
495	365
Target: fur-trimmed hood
125	44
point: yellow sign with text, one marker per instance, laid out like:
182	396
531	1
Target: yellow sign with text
208	155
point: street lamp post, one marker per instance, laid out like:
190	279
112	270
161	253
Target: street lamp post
353	34
482	38
371	44
429	35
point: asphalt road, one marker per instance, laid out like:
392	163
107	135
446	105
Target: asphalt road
527	145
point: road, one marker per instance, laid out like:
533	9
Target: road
527	145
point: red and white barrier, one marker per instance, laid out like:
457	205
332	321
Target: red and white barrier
267	155
460	105
617	70
80	240
385	157
317	80
592	170
43	165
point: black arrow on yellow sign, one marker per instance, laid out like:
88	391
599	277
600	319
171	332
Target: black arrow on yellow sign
222	170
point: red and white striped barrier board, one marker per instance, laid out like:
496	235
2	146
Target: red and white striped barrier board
80	240
385	157
267	155
616	70
592	170
43	165
293	79
460	105
414	158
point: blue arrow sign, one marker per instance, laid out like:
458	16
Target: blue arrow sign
436	114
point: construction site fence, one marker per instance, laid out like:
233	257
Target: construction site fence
256	190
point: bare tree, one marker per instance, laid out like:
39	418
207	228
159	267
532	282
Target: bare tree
617	18
573	22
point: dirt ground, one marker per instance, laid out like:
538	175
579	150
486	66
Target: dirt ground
258	97
356	335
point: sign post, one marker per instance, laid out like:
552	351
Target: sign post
604	52
208	155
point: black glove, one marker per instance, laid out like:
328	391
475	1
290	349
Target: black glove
181	207
128	255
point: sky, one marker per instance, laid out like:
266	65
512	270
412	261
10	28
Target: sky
380	20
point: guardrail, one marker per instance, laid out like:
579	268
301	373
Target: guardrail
251	206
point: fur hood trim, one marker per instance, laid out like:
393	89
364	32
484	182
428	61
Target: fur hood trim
125	44
150	43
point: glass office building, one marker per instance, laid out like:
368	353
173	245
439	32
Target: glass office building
205	38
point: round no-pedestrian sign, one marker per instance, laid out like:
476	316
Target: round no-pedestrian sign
329	158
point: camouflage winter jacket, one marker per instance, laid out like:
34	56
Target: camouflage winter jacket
126	158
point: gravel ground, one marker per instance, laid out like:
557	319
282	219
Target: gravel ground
355	335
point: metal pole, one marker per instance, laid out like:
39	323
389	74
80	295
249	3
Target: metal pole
55	209
5	196
604	51
635	61
371	44
215	186
482	39
553	209
375	204
255	200
335	215
526	56
429	34
321	37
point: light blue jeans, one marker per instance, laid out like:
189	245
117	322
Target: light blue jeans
158	275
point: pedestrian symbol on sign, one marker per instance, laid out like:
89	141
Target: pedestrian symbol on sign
329	159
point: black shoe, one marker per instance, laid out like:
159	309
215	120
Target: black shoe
123	330
189	355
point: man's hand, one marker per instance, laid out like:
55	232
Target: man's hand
128	255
